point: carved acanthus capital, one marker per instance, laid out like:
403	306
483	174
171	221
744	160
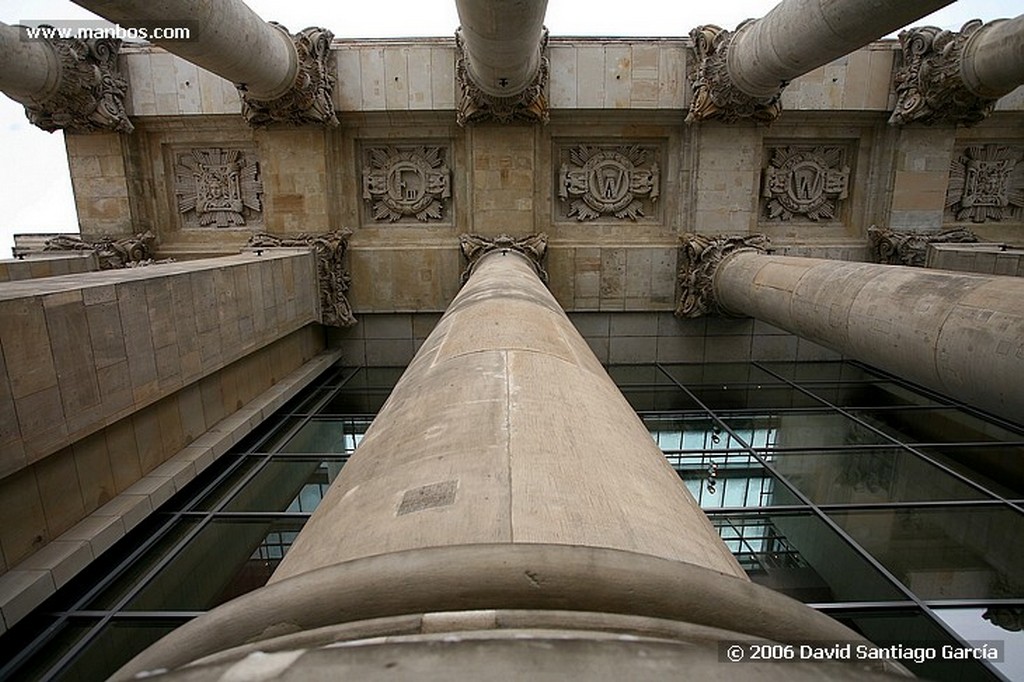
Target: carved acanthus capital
534	247
112	253
332	277
90	94
715	96
929	86
309	99
911	248
699	257
530	104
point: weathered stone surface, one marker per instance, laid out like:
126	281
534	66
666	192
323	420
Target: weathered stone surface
699	259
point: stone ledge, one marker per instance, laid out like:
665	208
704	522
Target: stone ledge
29	583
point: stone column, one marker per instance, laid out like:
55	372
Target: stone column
957	77
501	67
505	495
64	83
283	78
959	334
741	74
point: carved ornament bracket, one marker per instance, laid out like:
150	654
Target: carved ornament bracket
332	277
530	105
928	84
91	92
112	253
534	247
911	248
309	100
699	257
715	96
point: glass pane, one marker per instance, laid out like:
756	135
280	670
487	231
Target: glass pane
783	430
328	435
115	645
216	496
733	479
753	396
866	476
914	631
624	375
951	553
664	398
227	558
818	371
1000	624
874	394
696	431
995	466
126	582
799	555
293	484
936	426
20	637
720	373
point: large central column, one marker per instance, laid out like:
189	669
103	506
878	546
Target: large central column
502	70
956	333
282	78
506	495
742	73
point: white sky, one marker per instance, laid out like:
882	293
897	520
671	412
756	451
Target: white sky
35	188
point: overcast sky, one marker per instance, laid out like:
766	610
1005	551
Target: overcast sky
35	188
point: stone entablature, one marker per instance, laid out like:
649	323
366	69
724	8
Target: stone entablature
911	248
218	187
585	73
406	183
619	182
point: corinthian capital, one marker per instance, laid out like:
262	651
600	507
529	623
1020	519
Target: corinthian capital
534	247
929	85
309	99
715	96
90	94
530	104
699	257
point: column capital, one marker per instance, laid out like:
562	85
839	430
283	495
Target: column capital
332	276
699	257
112	253
929	82
534	247
90	90
911	248
530	104
715	95
309	101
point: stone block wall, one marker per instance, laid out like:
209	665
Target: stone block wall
82	352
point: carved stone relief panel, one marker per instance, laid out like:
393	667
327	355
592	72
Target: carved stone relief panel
608	182
218	187
406	183
986	182
805	182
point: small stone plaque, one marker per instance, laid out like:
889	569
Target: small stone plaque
428	497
